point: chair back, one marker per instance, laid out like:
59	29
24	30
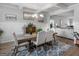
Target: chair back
49	36
41	36
15	39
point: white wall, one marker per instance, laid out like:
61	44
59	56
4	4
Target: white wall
14	26
76	18
60	21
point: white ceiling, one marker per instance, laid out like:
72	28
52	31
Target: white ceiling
51	8
36	6
44	7
67	14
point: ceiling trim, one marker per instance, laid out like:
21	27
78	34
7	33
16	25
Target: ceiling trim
60	11
46	7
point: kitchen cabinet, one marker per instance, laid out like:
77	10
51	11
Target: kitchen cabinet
68	33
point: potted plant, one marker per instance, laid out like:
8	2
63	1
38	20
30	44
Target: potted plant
1	31
30	25
38	30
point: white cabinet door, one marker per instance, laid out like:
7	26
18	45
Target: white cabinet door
68	33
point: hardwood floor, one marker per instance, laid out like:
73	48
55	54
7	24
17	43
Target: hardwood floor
71	52
7	47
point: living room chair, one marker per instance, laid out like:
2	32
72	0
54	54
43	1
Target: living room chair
18	44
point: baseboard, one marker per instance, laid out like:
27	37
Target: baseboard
65	37
7	42
4	41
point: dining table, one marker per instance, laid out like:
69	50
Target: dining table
27	38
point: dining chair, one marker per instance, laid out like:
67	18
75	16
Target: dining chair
49	36
40	39
49	40
76	38
18	44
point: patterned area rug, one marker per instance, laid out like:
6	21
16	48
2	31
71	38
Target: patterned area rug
57	49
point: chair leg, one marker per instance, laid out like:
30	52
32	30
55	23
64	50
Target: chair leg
15	50
36	49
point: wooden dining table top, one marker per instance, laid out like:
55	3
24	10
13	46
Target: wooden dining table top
26	38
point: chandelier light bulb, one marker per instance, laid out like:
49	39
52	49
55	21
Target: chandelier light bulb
41	15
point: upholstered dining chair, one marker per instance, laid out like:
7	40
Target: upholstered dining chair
40	39
49	36
18	44
76	38
49	40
